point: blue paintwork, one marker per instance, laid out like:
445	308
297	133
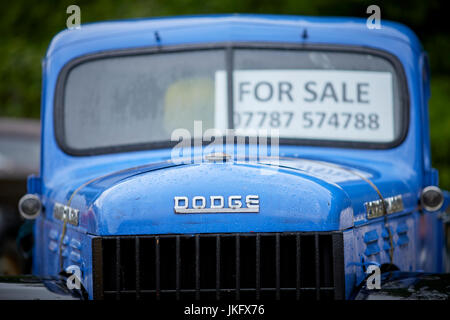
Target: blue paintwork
133	192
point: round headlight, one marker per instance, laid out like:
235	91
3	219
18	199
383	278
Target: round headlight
432	198
30	206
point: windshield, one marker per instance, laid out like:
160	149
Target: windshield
307	95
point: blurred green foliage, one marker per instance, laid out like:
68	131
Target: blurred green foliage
27	27
440	127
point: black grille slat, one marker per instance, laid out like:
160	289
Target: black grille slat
238	267
298	266
338	266
258	267
317	262
217	267
157	268
288	265
137	263
97	267
118	263
277	266
197	267
177	268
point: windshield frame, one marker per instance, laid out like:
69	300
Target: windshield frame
228	47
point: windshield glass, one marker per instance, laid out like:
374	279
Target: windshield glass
309	95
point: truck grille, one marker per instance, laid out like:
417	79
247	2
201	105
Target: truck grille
305	265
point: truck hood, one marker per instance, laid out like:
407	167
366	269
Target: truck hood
294	195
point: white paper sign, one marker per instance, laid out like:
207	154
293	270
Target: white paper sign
310	104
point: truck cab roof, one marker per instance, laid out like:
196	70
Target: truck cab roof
232	27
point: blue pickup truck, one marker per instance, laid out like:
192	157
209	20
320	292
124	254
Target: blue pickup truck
156	180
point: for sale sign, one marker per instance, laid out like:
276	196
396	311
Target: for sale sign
311	104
